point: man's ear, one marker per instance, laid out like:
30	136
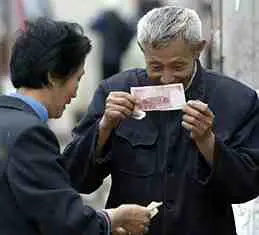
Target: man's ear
198	48
51	80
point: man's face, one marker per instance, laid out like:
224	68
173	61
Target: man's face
62	94
171	64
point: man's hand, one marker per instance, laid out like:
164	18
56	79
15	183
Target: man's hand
129	219
119	105
198	119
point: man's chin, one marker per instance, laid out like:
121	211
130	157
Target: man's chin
57	115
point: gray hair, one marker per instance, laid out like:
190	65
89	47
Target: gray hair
161	25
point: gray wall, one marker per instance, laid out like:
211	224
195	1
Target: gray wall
241	40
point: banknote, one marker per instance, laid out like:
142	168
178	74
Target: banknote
153	208
161	97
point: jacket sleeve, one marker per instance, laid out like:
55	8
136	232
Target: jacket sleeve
235	169
87	170
41	188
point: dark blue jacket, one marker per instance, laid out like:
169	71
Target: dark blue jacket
154	159
36	197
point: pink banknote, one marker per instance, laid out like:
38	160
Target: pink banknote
163	97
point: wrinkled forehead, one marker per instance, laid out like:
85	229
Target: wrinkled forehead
169	51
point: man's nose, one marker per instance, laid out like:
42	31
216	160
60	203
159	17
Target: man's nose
168	78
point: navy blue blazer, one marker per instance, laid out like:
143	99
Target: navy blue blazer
154	159
36	197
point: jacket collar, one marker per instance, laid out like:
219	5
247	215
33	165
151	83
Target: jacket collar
197	89
10	102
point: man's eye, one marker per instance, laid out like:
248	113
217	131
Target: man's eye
79	78
156	68
179	67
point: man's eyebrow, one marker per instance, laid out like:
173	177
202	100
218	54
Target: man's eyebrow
179	62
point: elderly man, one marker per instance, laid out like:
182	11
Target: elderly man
197	161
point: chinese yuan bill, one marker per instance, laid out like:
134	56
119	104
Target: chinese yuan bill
160	98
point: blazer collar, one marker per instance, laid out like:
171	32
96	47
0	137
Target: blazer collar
16	103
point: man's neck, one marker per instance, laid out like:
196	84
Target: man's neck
40	95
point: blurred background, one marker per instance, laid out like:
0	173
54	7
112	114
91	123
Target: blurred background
230	27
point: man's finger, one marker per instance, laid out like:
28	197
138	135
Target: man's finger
121	94
120	231
118	108
200	106
120	101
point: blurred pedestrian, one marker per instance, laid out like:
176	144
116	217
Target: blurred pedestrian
116	34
